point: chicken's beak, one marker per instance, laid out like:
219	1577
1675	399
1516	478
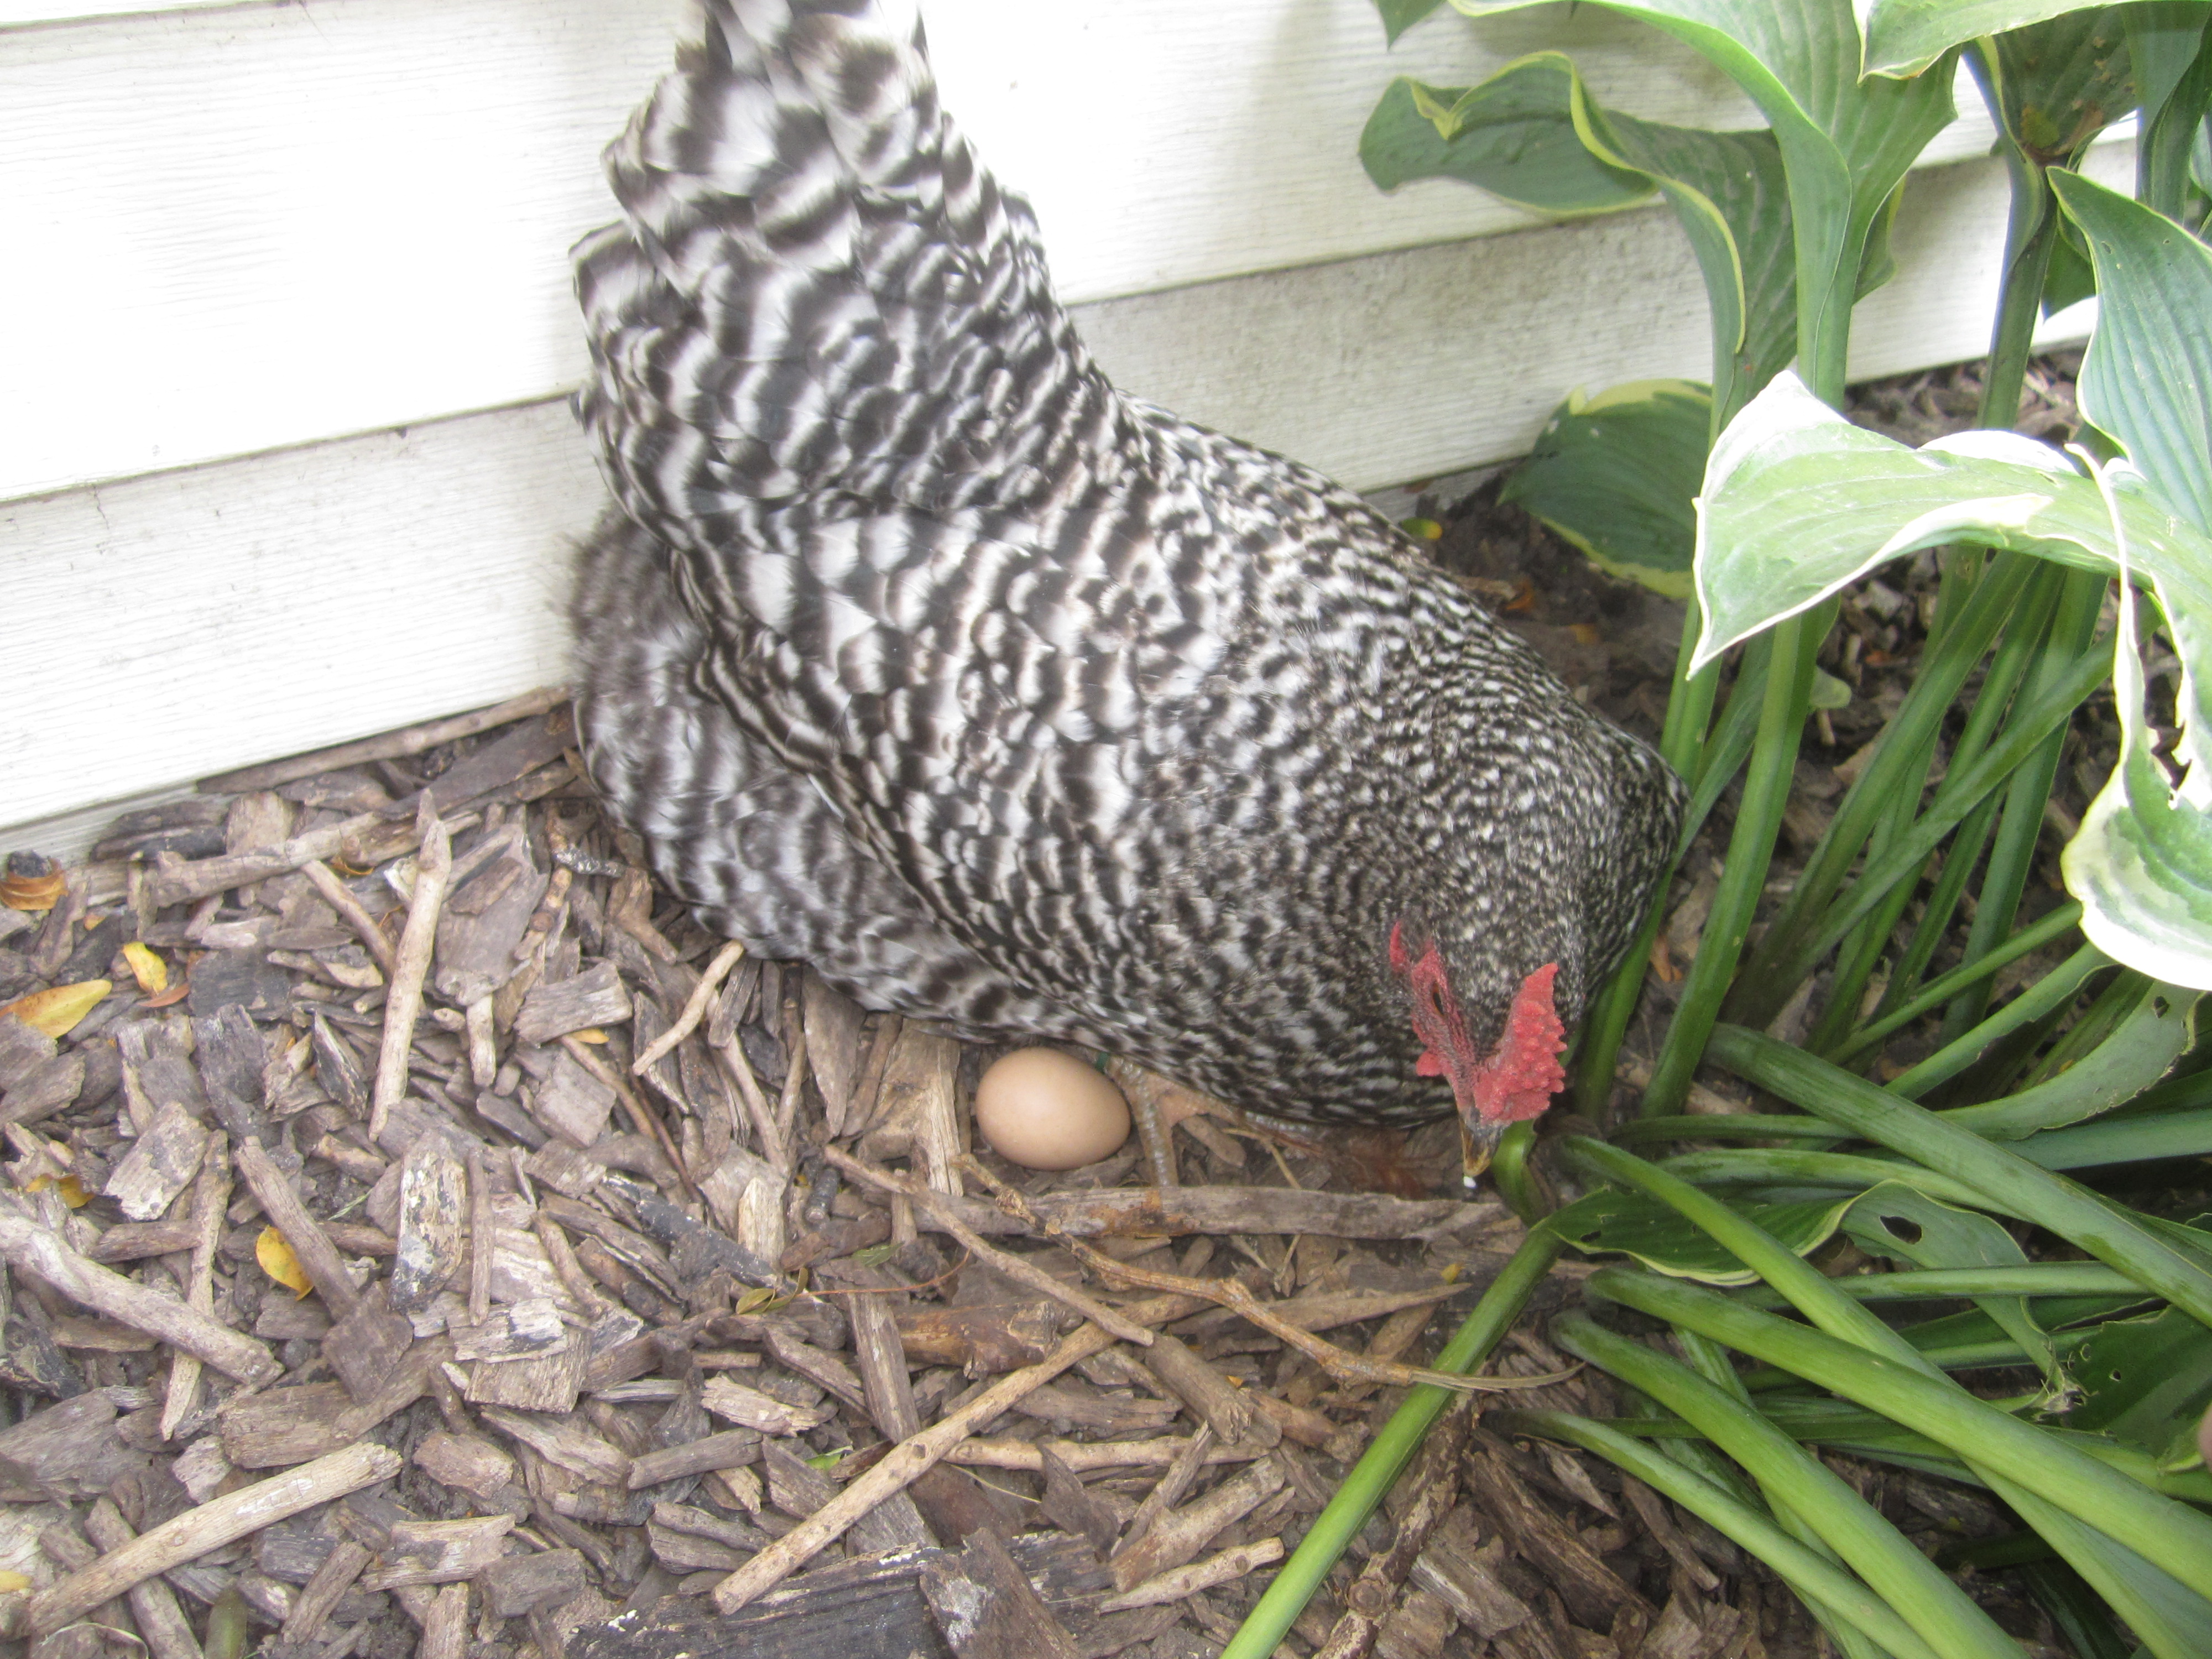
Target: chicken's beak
1478	1140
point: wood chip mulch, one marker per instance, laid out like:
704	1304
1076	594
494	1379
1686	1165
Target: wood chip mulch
420	1236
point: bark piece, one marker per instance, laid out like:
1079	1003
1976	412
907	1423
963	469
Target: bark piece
1210	1396
548	1384
573	1104
366	1347
517	1585
1594	1593
1071	1507
595	997
833	1047
988	1608
468	1461
727	1450
70	1450
445	1624
1229	1565
1467	1577
45	1089
209	1526
750	1408
437	1552
433	1196
982	1339
484	920
522	1330
565	1443
1125	1211
324	1590
160	1164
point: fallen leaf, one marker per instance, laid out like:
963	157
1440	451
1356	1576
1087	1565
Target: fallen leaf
69	1190
147	968
589	1034
56	1013
12	1581
276	1260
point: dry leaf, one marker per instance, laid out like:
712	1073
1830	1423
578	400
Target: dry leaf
589	1034
31	883
276	1260
147	968
70	1190
56	1013
10	1580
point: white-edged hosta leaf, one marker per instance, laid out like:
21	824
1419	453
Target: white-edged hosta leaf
1797	502
1617	475
1610	1222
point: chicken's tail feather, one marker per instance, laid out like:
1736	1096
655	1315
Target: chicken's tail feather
818	289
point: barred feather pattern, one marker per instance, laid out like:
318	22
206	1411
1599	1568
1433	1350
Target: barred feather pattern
915	648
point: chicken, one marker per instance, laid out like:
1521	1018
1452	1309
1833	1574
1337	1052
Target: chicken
914	648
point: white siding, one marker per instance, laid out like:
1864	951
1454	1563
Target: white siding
268	259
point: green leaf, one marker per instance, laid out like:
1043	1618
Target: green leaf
1514	135
1617	475
2161	1029
1845	143
1906	1225
1905	37
2141	1378
1797	502
1632	1225
1399	15
2054	86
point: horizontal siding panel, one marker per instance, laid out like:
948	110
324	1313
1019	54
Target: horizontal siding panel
191	622
261	226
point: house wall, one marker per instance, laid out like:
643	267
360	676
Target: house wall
284	453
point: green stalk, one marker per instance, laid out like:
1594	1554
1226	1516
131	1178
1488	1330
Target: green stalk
2128	1140
2012	855
2005	1179
1730	1125
2169	1534
1945	1284
1960	858
1819	1582
1763	1167
1895	775
1682	746
1962	790
1386	1458
1751	850
2048	996
2033	937
1935	1608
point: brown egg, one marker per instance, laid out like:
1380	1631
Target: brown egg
1044	1109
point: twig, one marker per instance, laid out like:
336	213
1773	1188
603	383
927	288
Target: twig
482	1242
794	1079
1084	1456
1199	1575
218	1522
29	1246
168	1634
1168	1489
1233	1295
1014	1267
309	1242
402	997
906	1463
639	1113
324	1591
340	898
756	1107
390	745
695	1008
210	1197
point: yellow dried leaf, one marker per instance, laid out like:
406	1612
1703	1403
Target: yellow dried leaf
10	1580
147	968
589	1034
70	1190
277	1261
57	1011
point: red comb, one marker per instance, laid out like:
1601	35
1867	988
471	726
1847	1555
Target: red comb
1521	1074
